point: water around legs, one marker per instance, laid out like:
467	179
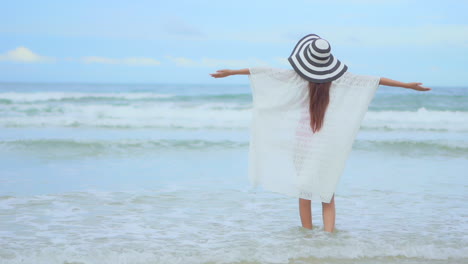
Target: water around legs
328	214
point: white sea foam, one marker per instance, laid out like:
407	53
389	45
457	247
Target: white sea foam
183	224
148	115
206	115
422	119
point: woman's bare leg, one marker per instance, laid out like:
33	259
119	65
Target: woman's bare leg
328	214
305	210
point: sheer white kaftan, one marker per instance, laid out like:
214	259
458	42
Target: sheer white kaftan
284	155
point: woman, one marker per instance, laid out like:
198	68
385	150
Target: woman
304	123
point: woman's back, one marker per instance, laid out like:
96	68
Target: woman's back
285	156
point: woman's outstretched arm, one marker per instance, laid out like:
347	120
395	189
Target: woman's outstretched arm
227	72
413	85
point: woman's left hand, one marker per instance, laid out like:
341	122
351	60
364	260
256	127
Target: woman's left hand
221	73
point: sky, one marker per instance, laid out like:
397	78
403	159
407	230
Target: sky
183	41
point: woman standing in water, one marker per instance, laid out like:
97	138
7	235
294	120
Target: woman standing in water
304	122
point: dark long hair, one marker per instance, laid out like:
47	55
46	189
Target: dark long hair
319	94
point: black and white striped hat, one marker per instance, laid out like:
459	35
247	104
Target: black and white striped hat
313	61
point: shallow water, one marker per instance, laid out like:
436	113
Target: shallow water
158	174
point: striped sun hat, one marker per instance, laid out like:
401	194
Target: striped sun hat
313	61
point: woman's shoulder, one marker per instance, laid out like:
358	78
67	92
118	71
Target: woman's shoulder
281	74
351	78
268	69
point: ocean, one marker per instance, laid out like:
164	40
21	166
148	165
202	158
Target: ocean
157	173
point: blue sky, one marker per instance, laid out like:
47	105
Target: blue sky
184	41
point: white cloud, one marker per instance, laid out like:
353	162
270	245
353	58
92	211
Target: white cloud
23	54
133	61
210	62
182	61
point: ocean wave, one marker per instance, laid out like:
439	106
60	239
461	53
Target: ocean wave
77	97
405	147
422	119
412	102
115	145
214	115
382	102
15	97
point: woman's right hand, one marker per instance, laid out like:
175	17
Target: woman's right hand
413	85
221	73
417	86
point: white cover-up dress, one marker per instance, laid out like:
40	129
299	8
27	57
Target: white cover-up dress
284	155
